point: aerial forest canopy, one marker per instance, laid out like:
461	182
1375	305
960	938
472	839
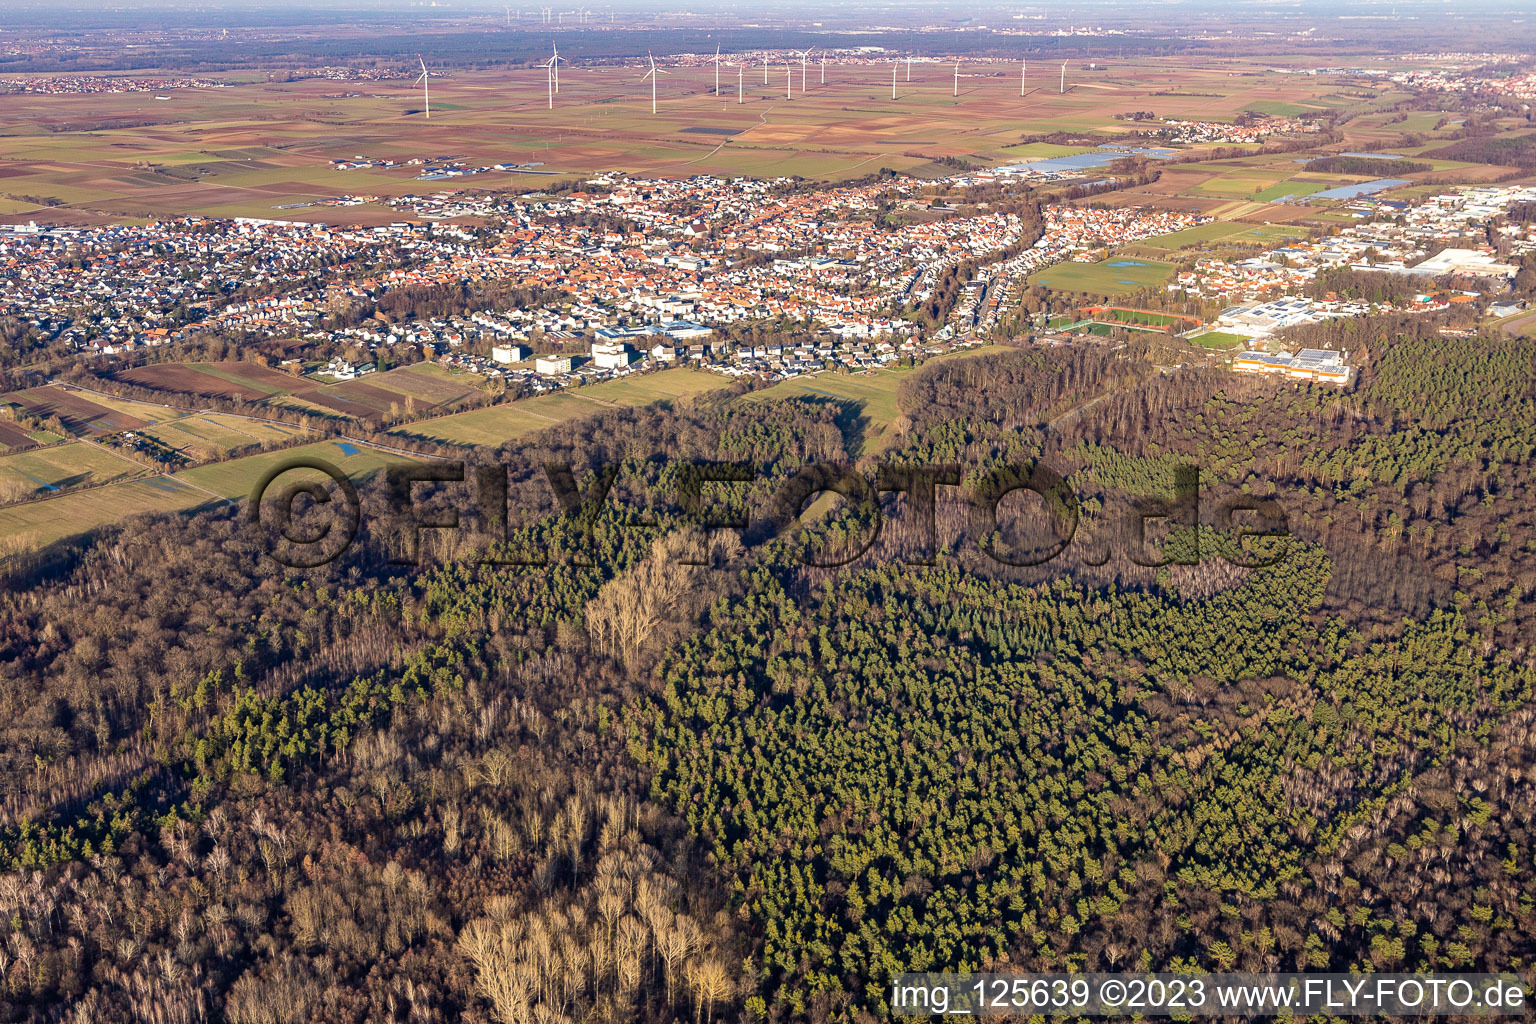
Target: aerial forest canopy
663	775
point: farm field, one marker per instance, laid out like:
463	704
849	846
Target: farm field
36	524
365	399
1213	236
15	437
85	414
248	150
872	391
209	435
237	477
1116	275
61	467
500	423
1290	188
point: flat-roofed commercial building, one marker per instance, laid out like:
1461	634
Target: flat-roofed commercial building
1322	365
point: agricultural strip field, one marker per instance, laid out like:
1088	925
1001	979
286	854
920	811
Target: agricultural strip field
236	478
1290	188
209	435
181	379
36	524
81	414
1218	232
1116	275
249	376
61	467
14	438
500	423
367	399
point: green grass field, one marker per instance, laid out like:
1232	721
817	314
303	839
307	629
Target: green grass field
214	434
1215	234
874	391
1290	188
39	523
501	423
236	478
655	387
1221	340
68	465
1136	316
1117	275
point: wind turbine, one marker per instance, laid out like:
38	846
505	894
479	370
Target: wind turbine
652	75
1063	77
1023	67
509	17
426	94
717	69
741	72
909	67
804	54
549	80
555	62
893	81
957	79
765	70
823	69
789	80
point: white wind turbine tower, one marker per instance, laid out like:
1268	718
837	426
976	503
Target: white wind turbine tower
555	62
741	71
1023	68
909	67
806	53
717	70
652	75
957	79
765	70
823	69
1063	78
789	80
893	81
426	94
549	79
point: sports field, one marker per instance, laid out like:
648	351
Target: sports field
1116	275
1221	340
